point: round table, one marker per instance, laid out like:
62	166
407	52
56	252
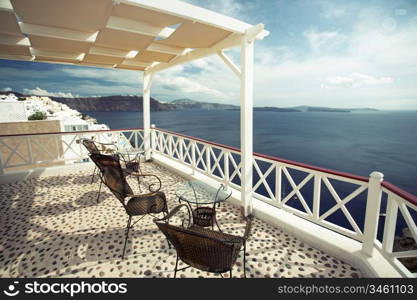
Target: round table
205	197
133	163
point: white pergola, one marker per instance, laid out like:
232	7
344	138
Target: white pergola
142	35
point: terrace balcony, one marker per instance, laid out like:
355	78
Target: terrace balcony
309	221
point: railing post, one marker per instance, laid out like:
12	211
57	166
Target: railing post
162	146
170	142
153	140
193	161
390	224
208	164
316	196
180	141
226	167
373	204
136	145
80	153
278	183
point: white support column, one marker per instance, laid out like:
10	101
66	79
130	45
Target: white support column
246	122
373	204
147	82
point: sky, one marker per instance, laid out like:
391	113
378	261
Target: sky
319	52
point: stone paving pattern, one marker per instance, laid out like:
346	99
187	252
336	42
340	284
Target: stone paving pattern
54	227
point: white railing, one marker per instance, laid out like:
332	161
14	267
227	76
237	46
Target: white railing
312	193
399	204
21	151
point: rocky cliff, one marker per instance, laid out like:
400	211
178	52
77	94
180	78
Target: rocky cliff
192	104
112	103
135	103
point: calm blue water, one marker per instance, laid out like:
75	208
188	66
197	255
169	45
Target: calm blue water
357	143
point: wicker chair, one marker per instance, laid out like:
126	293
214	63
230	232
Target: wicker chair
204	249
100	164
116	158
114	177
92	148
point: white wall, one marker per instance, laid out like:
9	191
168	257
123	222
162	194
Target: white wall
12	111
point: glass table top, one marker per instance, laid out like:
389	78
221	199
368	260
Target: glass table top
198	192
130	152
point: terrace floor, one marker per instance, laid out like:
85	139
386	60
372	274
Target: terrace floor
53	227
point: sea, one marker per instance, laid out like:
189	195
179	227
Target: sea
353	142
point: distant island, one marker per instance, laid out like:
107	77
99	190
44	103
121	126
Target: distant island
305	108
120	103
308	109
193	104
271	109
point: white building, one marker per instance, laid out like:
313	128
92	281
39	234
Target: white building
33	106
10	97
12	110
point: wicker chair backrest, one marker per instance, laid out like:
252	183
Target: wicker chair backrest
102	160
90	146
202	251
112	175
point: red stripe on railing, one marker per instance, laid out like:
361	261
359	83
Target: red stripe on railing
68	132
199	140
315	168
400	192
294	163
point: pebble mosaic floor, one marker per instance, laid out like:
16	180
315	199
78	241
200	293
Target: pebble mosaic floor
54	227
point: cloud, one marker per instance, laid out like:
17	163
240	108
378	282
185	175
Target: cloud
109	75
334	9
40	92
7	89
201	63
324	40
92	87
274	55
125	82
360	64
183	85
333	13
206	79
19	74
355	80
